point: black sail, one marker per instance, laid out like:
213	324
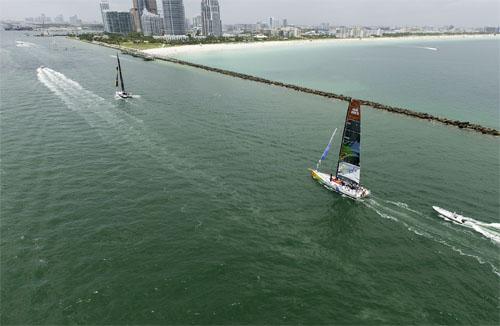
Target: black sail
120	72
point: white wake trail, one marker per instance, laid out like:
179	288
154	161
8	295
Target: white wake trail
418	223
114	124
427	48
490	234
21	44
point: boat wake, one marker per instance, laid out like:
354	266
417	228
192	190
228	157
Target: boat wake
427	48
115	125
21	44
460	240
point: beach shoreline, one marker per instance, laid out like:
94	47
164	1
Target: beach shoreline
223	47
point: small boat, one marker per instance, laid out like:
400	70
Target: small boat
120	94
346	180
450	216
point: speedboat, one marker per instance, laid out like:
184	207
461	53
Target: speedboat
449	216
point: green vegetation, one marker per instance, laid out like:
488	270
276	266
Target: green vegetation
140	42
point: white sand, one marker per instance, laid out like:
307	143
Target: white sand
187	49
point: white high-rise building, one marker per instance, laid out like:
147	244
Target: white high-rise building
104	7
152	25
210	17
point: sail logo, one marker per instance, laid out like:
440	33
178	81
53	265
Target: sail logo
355	111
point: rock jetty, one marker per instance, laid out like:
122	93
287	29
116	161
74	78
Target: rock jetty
415	114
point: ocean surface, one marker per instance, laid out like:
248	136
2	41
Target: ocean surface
192	203
453	78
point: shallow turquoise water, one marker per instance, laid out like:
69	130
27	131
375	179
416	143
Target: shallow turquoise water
193	203
458	79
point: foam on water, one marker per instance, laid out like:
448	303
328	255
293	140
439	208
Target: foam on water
21	44
427	48
422	225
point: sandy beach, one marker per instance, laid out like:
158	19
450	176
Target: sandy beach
173	51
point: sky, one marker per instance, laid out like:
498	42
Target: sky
338	12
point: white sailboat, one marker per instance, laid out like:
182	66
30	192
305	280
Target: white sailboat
346	180
120	93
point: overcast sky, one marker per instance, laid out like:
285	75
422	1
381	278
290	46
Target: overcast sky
351	12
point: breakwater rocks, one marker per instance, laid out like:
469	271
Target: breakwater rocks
375	105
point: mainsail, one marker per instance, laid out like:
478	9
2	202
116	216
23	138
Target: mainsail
120	71
116	83
349	168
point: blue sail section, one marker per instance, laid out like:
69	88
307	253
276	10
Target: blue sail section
325	153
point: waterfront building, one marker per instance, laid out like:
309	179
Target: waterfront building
152	25
136	20
197	21
138	8
152	6
119	22
285	22
210	16
104	7
74	20
174	17
59	19
289	32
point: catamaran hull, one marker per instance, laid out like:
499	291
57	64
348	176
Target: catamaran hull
122	95
324	180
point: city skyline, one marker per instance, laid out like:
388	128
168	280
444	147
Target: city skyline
357	12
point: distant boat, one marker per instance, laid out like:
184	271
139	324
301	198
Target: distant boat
450	216
120	94
346	180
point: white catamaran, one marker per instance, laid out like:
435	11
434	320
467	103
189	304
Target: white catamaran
346	180
120	94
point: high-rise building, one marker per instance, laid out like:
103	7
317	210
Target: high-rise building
197	21
210	16
119	22
174	17
152	25
136	20
74	20
149	5
104	7
59	19
152	6
138	8
285	22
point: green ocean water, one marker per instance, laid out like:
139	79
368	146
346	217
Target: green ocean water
192	204
454	78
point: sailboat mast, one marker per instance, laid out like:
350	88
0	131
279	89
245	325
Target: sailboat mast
341	142
120	72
